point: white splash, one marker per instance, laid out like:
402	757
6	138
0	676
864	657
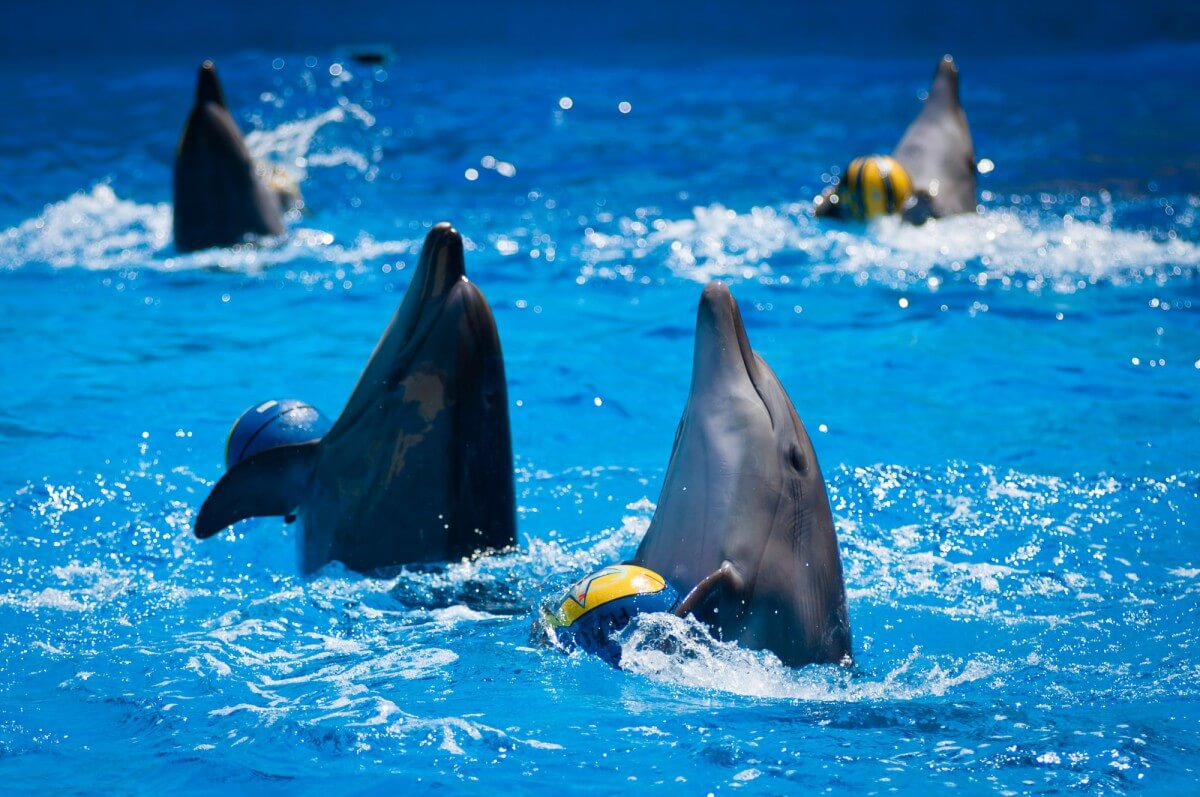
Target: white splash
289	145
93	229
682	651
98	230
997	244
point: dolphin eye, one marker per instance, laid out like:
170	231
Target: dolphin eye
796	457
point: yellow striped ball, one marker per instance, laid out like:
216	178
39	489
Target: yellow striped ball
597	607
872	186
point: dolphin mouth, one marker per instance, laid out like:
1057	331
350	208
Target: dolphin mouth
720	330
442	261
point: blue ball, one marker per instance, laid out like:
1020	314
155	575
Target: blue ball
271	424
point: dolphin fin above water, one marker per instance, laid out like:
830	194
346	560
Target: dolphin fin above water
273	482
743	526
219	195
937	152
418	467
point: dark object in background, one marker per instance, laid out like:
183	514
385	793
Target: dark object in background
220	195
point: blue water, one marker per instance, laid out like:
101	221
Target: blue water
1006	408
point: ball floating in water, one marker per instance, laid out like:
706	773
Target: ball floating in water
874	185
597	607
271	424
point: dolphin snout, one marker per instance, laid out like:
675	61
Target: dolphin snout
208	87
444	247
945	80
442	234
716	298
722	349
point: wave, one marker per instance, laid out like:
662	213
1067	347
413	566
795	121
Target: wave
1035	248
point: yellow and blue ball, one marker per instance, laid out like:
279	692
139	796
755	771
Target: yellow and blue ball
595	608
872	186
271	424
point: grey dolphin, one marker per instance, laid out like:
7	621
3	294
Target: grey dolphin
937	152
743	526
219	195
418	467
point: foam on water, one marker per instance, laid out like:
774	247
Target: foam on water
682	651
1044	249
98	230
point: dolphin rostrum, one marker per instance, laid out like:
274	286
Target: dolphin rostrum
220	196
743	527
418	467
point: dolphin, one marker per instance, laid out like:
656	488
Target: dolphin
418	467
220	195
937	152
743	527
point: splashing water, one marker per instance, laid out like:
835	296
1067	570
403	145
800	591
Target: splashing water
1003	244
98	230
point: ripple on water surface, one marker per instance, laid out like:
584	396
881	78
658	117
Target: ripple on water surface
992	613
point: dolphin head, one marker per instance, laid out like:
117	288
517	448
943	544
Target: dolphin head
208	87
440	274
937	152
728	460
425	434
743	491
944	89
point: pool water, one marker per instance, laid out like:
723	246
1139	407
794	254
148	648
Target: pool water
1006	408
